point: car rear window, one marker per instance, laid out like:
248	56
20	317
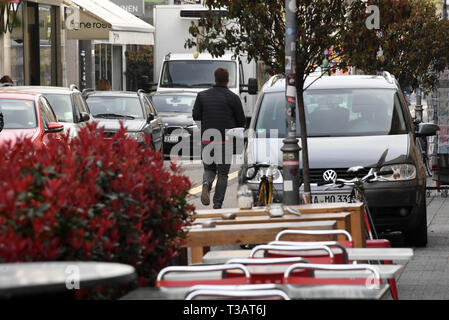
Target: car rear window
125	106
337	112
18	114
174	103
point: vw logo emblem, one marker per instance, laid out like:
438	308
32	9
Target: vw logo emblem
329	175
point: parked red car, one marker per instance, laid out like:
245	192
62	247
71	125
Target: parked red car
27	115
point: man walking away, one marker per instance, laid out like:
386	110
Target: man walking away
220	109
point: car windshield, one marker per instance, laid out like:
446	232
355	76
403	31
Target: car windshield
195	73
329	113
62	106
174	103
115	106
18	114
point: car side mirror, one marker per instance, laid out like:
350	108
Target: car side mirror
238	133
54	127
427	129
252	86
146	85
84	117
150	117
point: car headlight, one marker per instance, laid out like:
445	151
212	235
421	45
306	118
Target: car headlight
250	172
400	172
138	136
269	171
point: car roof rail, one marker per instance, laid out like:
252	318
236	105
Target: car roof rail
276	78
86	92
388	77
73	87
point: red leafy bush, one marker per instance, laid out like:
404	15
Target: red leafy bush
91	198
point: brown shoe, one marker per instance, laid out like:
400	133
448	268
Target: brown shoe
205	195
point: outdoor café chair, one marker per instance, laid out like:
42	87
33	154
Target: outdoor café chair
188	276
376	243
341	256
227	292
337	276
314	253
346	243
266	270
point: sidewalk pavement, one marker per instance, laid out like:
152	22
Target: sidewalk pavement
426	276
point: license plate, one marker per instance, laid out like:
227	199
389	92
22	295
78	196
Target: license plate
330	198
171	138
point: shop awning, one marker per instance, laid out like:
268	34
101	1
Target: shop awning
104	20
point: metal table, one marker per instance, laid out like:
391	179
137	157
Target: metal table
389	271
345	292
36	278
354	254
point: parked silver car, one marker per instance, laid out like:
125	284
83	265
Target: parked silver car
67	103
351	121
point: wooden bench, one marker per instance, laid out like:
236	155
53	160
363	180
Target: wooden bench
355	210
234	234
343	220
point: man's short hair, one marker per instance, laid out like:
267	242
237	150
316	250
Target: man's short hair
221	76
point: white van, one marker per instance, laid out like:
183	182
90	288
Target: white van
195	72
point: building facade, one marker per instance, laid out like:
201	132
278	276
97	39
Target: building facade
31	42
63	42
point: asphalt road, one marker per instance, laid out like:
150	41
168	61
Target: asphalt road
425	277
194	170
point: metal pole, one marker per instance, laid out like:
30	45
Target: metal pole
418	107
290	149
444	9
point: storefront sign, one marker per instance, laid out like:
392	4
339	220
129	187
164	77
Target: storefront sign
82	26
135	7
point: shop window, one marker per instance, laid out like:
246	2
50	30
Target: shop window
103	63
43	47
16	45
47	43
139	64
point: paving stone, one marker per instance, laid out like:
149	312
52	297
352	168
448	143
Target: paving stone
426	276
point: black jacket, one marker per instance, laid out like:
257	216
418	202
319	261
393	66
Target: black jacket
1	121
218	108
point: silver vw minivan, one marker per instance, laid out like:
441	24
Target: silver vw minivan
351	121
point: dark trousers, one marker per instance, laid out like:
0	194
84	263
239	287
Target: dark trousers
221	171
217	163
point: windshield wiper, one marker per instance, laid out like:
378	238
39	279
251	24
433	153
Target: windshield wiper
202	85
176	85
321	136
112	115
